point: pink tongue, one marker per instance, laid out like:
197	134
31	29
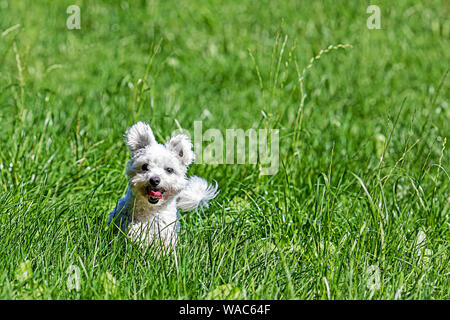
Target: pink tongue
155	194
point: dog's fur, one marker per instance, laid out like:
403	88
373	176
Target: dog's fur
137	214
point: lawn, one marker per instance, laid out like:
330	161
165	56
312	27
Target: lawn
359	206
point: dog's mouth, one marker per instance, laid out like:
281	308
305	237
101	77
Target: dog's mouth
154	195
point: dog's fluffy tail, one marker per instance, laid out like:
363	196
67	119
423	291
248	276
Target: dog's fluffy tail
196	194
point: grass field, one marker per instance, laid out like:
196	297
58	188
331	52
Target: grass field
359	208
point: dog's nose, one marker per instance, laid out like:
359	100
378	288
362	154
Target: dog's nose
154	181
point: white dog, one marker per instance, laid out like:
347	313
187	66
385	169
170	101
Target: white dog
158	187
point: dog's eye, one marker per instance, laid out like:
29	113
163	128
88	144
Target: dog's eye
169	170
145	167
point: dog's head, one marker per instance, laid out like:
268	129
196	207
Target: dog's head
157	172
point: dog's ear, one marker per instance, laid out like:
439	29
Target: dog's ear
139	136
182	147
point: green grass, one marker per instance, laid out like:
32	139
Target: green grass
332	219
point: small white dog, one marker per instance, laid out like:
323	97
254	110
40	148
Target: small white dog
158	187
